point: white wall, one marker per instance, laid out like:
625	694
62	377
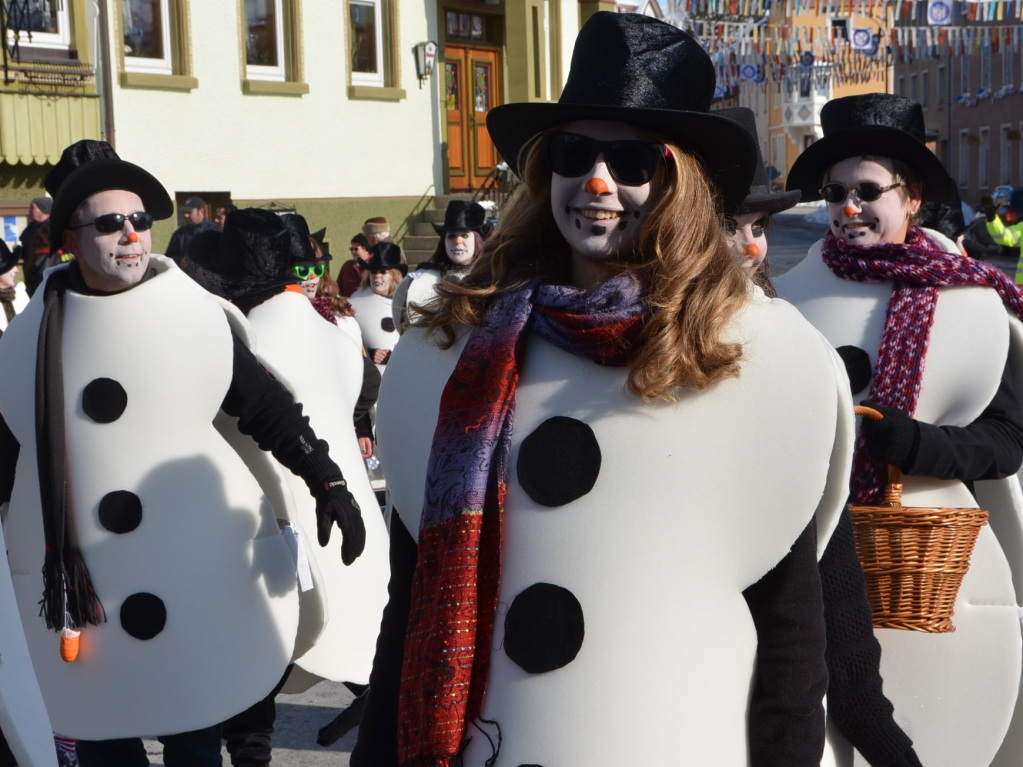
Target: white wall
320	145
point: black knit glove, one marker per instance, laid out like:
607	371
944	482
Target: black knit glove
335	504
908	759
892	439
988	206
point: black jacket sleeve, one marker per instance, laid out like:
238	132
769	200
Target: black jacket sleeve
989	448
370	389
377	745
9	451
786	716
268	413
857	705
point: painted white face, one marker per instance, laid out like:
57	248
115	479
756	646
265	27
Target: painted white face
7	278
310	282
885	219
461	247
381	283
115	261
599	217
748	242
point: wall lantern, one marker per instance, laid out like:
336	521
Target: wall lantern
426	58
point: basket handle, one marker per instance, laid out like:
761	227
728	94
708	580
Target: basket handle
894	475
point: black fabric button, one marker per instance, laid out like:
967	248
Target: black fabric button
387	324
544	628
143	616
104	400
120	511
857	366
559	462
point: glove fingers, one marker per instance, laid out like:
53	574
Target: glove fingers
324	522
354	541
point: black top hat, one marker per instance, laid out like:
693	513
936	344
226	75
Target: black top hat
462	216
877	124
631	68
298	246
72	157
760	197
7	259
248	262
386	255
98	176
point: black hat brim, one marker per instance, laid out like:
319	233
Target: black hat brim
807	172
100	176
727	151
768	202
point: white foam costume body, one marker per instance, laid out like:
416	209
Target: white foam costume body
207	546
955	693
373	313
328	384
20	302
416	289
659	551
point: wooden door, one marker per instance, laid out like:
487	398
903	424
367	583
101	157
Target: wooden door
470	88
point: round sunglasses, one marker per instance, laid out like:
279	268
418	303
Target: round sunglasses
109	223
305	271
630	162
865	191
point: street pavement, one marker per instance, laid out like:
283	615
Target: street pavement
300	717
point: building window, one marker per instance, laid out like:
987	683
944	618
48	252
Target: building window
914	93
985	68
900	87
39	24
964	75
964	158
925	88
942	87
984	159
1007	62
147	36
1004	155
366	41
266	56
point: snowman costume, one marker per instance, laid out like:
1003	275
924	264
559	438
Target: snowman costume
614	556
957	695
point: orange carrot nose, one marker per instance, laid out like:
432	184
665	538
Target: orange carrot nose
69	643
596	186
849	211
752	250
131	237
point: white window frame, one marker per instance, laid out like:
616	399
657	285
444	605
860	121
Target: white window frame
1005	154
160	66
984	158
279	72
59	40
964	158
378	78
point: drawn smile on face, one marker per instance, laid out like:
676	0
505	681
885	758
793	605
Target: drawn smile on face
883	217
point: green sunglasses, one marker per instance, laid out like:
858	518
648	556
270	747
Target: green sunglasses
305	271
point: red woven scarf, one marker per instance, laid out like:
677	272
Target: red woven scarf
458	572
918	268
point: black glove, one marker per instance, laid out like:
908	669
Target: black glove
892	439
988	206
335	504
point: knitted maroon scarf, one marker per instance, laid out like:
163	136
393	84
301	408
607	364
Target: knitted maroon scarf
458	572
918	268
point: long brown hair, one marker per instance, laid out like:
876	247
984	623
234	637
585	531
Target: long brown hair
693	286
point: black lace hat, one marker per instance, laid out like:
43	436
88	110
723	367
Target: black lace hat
462	216
386	255
760	197
634	69
874	124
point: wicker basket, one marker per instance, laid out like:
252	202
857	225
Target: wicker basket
914	559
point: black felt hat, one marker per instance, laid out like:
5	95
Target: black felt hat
319	236
386	255
462	216
249	261
634	69
7	259
72	157
299	248
876	124
99	175
760	197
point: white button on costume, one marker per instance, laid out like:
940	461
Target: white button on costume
373	313
208	545
954	694
694	502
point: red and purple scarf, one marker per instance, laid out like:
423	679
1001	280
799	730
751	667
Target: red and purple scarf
918	269
458	573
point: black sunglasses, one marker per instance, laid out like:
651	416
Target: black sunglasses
866	191
109	223
631	163
304	270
